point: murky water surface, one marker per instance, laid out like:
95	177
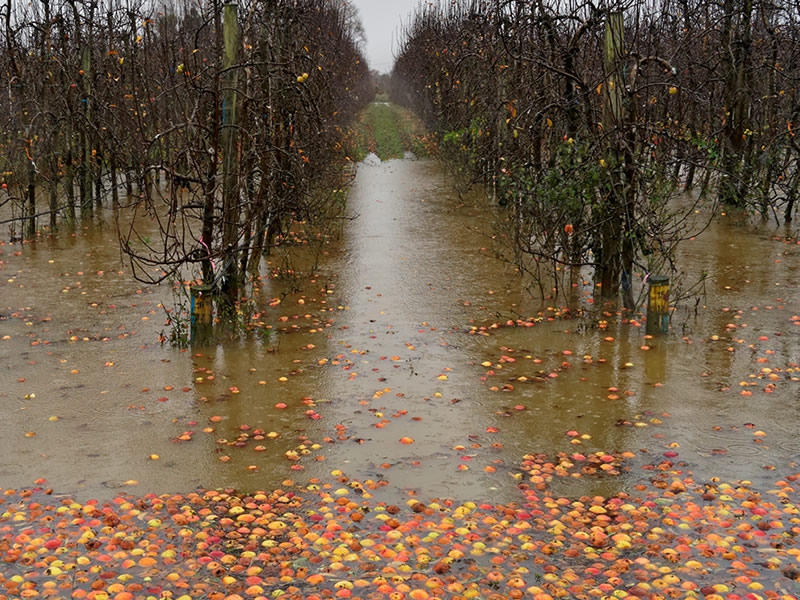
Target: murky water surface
377	370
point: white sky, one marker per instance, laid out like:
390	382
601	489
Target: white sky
381	20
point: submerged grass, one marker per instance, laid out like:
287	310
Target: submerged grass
389	131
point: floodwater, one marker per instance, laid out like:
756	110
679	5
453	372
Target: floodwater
395	363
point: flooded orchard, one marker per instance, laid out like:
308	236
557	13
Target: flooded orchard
411	359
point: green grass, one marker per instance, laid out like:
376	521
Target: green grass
389	131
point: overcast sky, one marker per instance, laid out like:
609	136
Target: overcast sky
381	20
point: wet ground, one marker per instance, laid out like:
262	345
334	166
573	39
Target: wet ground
420	427
411	356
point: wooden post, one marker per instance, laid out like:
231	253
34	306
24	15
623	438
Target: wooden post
614	53
611	236
202	313
658	305
230	179
618	250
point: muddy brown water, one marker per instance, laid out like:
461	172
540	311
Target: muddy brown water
376	347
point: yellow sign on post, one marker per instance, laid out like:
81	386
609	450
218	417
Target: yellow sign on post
202	313
658	305
202	305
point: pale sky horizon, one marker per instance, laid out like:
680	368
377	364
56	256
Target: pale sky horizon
382	20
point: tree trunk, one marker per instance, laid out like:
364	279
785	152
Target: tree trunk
69	183
112	169
53	200
737	101
87	159
30	223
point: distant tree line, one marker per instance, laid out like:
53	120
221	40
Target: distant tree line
587	120
223	123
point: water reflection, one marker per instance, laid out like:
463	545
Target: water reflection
377	346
